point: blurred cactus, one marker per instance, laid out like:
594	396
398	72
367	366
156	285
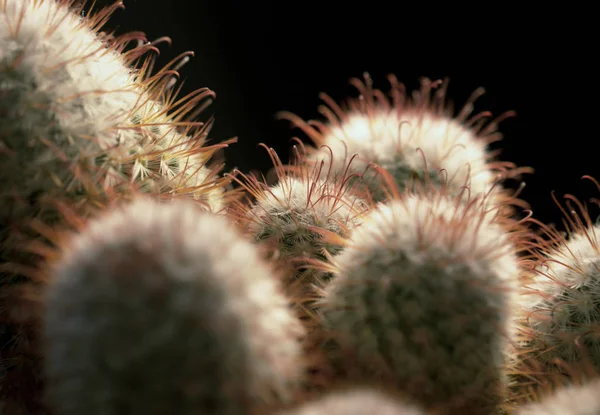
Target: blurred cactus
422	298
356	402
416	139
75	112
160	309
83	120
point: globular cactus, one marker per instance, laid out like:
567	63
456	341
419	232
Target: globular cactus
573	400
566	319
162	308
361	401
416	139
422	298
77	117
290	218
561	314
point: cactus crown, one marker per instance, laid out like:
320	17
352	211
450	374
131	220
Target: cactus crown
414	138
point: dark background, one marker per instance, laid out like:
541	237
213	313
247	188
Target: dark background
261	57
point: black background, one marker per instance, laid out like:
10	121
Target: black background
261	57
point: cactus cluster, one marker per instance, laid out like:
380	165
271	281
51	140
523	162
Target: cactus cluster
385	271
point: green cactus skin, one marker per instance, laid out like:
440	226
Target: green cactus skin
422	299
356	402
163	308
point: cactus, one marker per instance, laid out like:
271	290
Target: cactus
290	217
356	402
77	120
75	112
559	314
422	298
416	140
565	319
161	308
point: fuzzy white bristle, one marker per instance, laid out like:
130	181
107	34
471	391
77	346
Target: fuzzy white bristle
570	265
389	138
433	228
409	142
